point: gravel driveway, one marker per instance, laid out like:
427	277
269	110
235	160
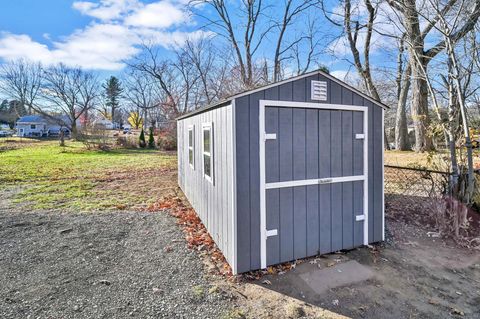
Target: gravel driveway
105	265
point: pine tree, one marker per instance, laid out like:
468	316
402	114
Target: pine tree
113	92
151	139
141	142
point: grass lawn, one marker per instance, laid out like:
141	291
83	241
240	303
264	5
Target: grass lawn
47	176
414	159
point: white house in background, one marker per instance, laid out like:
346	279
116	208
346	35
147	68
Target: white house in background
105	123
38	125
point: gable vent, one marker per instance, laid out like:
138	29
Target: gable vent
319	90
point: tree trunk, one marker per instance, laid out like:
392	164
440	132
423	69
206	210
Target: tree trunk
74	130
421	118
401	126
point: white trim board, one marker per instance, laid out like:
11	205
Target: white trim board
315	181
264	186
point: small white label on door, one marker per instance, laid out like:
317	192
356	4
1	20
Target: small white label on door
359	218
271	232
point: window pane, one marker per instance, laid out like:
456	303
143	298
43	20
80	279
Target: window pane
190	138
206	165
190	156
206	141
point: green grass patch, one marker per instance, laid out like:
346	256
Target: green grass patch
72	177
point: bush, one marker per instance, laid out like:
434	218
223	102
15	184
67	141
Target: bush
126	142
167	142
151	139
141	141
95	137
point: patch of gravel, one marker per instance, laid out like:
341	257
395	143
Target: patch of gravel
103	265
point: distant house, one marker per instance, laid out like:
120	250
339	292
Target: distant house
41	126
105	123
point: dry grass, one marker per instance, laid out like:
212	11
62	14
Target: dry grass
71	177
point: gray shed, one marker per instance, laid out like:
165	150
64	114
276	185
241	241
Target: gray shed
286	171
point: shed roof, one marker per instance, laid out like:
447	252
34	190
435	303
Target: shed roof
247	92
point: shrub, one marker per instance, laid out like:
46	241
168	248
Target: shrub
141	141
151	139
126	142
167	142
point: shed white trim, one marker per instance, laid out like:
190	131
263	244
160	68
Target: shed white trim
315	181
264	186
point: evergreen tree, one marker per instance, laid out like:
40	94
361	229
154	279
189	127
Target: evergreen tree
113	91
142	142
151	139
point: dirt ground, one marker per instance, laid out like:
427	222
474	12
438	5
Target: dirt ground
415	276
63	264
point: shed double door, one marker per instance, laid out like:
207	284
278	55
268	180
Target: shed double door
314	181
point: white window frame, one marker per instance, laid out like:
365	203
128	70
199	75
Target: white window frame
191	128
208	127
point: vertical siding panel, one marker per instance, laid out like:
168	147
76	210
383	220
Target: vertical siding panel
324	149
286	174
347	170
299	90
272	200
242	133
311	150
358	144
272	196
230	204
347	97
335	93
336	167
255	180
220	176
299	193
272	175
358	210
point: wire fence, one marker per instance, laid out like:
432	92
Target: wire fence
414	195
422	197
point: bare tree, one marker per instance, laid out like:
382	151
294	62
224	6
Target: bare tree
458	95
69	91
253	33
165	75
410	14
140	93
291	10
402	142
353	29
21	80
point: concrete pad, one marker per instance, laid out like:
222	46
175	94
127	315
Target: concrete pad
341	274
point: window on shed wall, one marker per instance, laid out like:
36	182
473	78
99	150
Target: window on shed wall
191	146
33	126
207	150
